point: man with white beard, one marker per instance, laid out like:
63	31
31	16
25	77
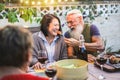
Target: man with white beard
93	40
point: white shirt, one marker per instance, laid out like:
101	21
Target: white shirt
49	47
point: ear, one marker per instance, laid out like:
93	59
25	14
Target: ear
81	20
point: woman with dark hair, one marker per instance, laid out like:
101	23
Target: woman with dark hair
16	45
50	40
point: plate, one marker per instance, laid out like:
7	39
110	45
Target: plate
108	67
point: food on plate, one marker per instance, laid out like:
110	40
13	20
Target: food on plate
114	60
71	66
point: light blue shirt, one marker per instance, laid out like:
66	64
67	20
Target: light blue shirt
50	47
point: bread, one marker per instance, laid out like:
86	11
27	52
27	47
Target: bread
114	60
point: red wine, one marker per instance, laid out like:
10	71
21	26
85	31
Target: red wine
101	60
83	53
42	59
50	72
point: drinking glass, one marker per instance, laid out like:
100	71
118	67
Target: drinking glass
101	59
50	70
42	57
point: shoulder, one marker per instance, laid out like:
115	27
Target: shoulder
94	30
35	34
92	27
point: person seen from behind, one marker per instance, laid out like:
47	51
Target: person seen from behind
15	53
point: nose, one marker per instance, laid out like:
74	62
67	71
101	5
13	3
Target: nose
70	25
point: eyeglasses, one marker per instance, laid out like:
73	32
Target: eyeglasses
70	22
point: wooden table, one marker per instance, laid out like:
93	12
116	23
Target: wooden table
94	73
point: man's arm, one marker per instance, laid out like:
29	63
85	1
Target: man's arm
96	44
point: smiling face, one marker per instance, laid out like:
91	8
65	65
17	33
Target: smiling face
53	27
73	21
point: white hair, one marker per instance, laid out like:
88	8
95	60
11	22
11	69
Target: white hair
75	11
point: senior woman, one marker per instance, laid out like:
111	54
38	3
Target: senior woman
15	53
50	40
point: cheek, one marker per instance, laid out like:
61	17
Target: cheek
50	28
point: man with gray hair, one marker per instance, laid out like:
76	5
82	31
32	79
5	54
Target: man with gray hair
93	41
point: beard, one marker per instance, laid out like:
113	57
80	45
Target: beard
76	32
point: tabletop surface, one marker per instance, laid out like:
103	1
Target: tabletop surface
93	72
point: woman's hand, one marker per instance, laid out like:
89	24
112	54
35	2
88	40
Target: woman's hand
38	65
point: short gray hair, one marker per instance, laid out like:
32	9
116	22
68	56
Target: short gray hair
75	11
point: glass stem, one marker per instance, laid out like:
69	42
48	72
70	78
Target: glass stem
101	67
51	78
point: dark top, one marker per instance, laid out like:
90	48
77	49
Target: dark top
88	32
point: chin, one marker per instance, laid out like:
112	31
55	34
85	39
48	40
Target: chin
54	34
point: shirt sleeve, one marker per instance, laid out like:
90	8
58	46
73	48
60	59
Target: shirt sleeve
35	51
94	31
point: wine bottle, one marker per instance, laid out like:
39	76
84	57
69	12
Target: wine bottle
82	50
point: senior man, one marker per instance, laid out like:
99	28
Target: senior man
93	41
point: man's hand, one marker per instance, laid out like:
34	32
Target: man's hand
72	42
91	58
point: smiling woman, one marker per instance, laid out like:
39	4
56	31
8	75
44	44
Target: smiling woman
49	39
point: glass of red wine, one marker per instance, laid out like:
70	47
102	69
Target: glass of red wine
50	70
42	57
101	59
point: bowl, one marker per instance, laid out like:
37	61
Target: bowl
72	69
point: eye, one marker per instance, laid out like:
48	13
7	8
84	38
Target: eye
56	24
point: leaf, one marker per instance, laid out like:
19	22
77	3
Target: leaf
38	20
27	14
2	7
25	17
12	17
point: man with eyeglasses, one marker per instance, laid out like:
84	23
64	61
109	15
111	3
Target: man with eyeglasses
93	41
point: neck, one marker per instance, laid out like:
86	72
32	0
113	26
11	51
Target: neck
4	71
50	39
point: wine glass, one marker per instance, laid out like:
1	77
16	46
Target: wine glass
50	70
101	59
42	57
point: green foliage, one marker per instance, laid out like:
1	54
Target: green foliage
38	19
2	7
12	17
27	14
107	49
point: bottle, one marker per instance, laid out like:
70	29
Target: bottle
82	50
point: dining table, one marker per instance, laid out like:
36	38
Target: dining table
93	73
